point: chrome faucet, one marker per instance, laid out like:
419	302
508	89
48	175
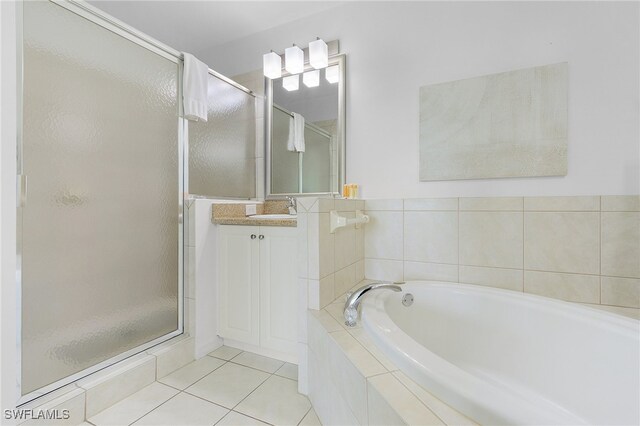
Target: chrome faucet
292	205
353	299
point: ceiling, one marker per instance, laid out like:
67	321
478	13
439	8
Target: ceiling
193	26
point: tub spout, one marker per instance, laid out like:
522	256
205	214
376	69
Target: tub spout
353	301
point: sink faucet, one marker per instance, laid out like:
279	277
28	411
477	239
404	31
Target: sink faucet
353	300
292	205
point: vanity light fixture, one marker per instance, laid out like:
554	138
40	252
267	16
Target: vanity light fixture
291	83
311	78
332	74
294	60
318	54
272	65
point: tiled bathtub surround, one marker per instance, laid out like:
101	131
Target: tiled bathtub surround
352	382
328	264
580	249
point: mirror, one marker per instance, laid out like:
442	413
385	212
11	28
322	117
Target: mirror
305	155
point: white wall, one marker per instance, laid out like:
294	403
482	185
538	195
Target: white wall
8	394
394	48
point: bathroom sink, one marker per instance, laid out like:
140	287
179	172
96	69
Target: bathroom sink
273	216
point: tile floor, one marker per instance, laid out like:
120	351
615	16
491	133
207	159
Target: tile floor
229	387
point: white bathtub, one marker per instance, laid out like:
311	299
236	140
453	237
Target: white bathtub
503	357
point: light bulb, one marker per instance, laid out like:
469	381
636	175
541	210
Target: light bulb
318	54
291	83
272	65
294	60
311	78
332	74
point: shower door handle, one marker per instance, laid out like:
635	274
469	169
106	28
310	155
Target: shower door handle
22	190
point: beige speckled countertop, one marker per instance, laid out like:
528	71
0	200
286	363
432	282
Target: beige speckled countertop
234	214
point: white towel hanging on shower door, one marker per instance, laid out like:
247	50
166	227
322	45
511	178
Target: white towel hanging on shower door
295	143
195	85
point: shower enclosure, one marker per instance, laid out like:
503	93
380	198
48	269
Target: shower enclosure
103	175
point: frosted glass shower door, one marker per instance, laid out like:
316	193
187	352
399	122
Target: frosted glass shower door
100	225
222	150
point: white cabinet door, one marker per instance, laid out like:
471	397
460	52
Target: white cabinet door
238	280
278	288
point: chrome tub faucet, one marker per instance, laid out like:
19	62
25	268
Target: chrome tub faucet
354	299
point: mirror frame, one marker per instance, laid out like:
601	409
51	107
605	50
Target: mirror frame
339	60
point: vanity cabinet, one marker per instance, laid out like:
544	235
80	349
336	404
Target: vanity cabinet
257	286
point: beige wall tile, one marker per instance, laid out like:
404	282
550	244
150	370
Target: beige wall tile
360	232
620	292
345	244
345	205
491	203
321	292
562	204
173	355
618	310
345	278
621	244
430	271
359	270
373	205
620	203
431	204
117	382
321	246
345	374
491	239
391	403
431	236
448	415
383	235
382	269
303	244
562	242
73	401
508	279
305	203
571	287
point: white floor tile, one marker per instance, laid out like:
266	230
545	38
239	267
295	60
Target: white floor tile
135	406
260	362
288	370
276	401
184	410
237	419
191	373
228	385
311	419
225	352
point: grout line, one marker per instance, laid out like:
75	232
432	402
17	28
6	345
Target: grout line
162	403
306	414
418	398
523	245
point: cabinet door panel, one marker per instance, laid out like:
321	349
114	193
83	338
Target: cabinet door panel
278	289
238	279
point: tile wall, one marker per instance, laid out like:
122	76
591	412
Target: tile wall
579	249
328	264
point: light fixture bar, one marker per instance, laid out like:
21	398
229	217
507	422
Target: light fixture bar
272	65
294	60
318	54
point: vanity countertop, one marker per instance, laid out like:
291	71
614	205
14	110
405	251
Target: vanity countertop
234	214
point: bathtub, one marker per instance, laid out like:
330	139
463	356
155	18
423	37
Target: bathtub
503	357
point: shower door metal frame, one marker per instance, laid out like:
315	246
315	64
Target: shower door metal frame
109	23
